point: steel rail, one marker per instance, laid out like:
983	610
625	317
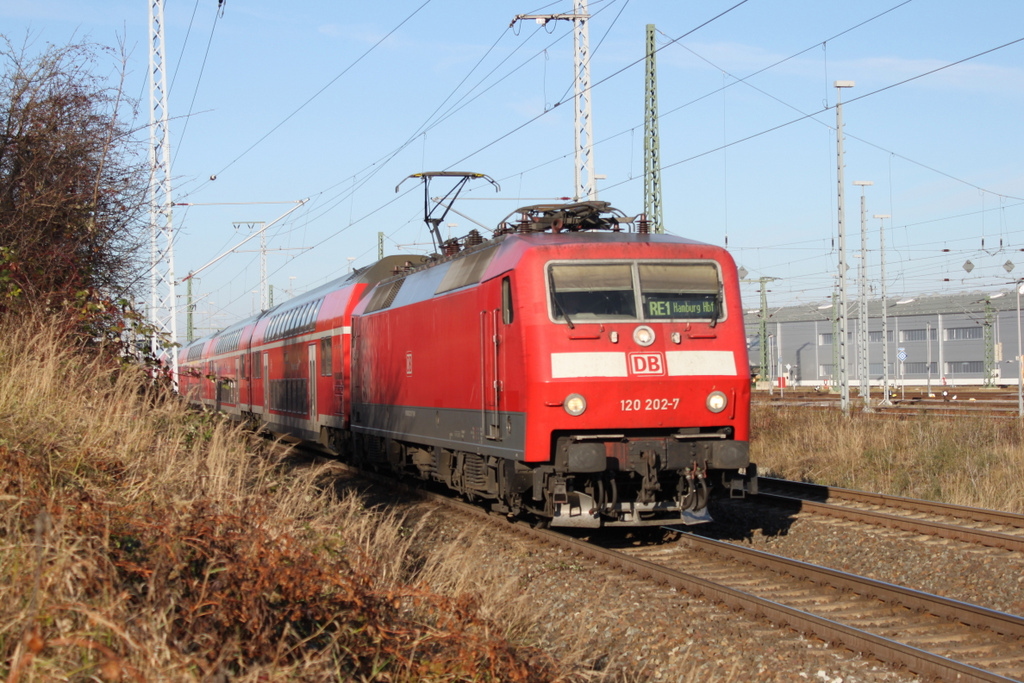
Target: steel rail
993	539
804	491
946	608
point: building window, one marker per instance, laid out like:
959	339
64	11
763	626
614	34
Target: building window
825	339
920	368
965	367
959	333
917	335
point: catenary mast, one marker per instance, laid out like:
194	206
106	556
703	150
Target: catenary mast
163	304
652	145
583	135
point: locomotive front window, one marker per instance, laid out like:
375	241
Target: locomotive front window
635	291
591	291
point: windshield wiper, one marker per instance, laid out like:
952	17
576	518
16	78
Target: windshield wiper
554	300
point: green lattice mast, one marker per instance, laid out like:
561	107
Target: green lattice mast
652	146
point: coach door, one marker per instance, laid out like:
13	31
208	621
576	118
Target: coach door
312	383
491	388
266	386
239	378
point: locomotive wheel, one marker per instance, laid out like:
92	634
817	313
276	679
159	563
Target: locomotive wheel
701	499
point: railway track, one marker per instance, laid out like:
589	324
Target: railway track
927	634
955	402
991	528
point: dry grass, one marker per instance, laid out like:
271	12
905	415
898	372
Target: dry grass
139	541
967	461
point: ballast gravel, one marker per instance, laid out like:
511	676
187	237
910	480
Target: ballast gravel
634	630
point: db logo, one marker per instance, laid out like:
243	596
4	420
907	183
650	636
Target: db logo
647	364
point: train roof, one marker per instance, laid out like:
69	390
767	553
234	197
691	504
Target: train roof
370	275
539	225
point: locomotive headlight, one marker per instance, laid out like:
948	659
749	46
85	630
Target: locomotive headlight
643	335
574	404
717	401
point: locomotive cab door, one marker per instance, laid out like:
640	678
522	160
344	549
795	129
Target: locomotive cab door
493	323
490	388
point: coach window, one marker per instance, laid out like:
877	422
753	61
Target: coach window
325	357
255	364
506	300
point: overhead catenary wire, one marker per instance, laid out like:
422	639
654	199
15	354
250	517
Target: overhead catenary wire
324	204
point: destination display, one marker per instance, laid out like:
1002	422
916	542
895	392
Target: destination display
659	306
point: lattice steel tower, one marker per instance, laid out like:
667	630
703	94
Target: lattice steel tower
163	304
583	136
584	128
652	145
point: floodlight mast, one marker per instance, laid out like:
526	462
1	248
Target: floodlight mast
446	201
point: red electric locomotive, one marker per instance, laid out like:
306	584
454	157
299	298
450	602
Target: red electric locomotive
566	368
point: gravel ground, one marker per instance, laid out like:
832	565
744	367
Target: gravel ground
635	630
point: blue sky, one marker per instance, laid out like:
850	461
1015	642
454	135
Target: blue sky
338	102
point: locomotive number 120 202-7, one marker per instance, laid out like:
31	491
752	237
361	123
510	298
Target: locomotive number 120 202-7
636	404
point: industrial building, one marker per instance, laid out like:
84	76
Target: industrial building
955	340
